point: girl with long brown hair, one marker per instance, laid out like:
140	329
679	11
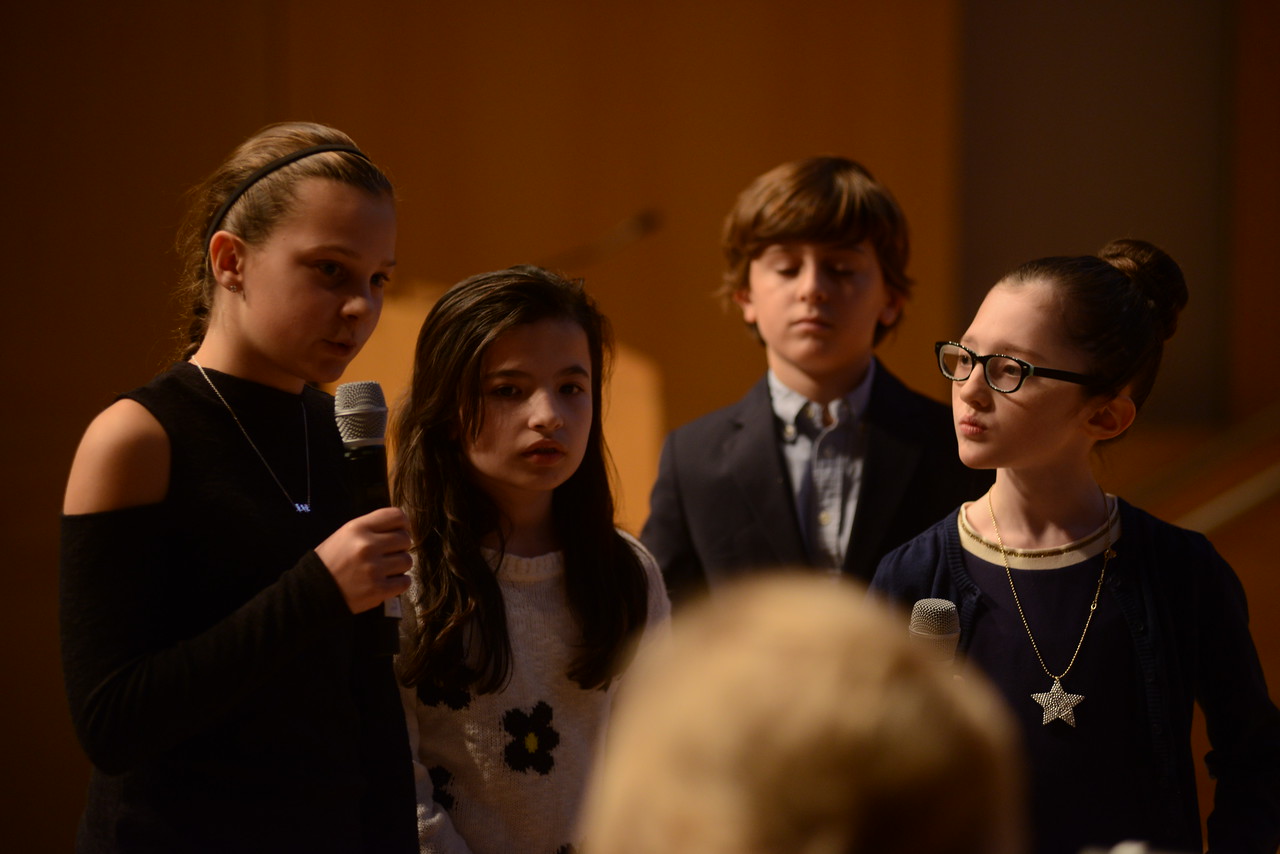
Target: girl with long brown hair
526	600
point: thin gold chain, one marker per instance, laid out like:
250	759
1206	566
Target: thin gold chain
1107	555
306	444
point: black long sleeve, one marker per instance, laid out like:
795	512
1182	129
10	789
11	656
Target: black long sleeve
135	693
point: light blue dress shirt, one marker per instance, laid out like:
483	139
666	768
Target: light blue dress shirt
824	451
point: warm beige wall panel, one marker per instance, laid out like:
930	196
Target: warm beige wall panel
520	132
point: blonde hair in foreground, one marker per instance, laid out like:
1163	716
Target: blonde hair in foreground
791	714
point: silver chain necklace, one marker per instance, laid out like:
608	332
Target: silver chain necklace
304	507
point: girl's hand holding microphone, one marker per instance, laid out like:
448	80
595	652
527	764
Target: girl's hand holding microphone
369	558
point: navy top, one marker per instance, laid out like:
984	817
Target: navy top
1185	641
1108	731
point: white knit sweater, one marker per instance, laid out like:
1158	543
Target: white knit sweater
505	773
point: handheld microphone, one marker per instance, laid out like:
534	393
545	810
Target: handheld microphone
361	413
935	629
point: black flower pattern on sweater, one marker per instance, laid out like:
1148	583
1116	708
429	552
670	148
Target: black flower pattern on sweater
432	694
532	739
441	777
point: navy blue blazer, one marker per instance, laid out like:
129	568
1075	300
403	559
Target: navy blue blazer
722	505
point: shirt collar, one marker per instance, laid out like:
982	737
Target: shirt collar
788	403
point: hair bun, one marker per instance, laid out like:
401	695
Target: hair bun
1157	278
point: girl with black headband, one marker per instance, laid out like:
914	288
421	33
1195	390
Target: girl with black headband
220	678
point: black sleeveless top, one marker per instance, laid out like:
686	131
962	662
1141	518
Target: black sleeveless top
215	674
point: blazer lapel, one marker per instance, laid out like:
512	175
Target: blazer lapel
887	468
755	463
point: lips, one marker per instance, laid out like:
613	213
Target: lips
342	348
813	323
545	452
969	426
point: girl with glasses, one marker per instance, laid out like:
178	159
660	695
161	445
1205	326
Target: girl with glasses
1102	625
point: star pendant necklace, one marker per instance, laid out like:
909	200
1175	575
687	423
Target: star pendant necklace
1057	703
299	506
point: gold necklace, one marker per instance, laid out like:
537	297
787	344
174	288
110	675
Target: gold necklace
303	507
1057	703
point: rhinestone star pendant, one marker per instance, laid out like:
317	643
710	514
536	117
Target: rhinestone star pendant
1058	704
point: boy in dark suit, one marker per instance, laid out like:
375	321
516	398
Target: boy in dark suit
829	461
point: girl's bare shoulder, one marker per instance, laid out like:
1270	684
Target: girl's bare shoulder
122	461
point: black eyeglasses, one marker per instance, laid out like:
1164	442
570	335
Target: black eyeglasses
1004	374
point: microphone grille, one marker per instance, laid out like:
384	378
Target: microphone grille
361	412
934	617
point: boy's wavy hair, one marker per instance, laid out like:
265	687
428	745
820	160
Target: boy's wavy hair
832	201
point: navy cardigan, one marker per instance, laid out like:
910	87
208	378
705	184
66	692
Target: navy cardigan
1187	616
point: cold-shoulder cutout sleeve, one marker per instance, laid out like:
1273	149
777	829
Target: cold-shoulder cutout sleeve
122	461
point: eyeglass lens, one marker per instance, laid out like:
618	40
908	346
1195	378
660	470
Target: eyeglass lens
1002	372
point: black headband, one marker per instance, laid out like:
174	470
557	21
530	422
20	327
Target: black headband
265	170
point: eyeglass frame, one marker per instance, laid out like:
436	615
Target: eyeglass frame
1028	369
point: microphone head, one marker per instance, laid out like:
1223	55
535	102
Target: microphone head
935	627
935	617
361	412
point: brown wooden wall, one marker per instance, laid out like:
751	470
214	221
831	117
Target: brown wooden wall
516	132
